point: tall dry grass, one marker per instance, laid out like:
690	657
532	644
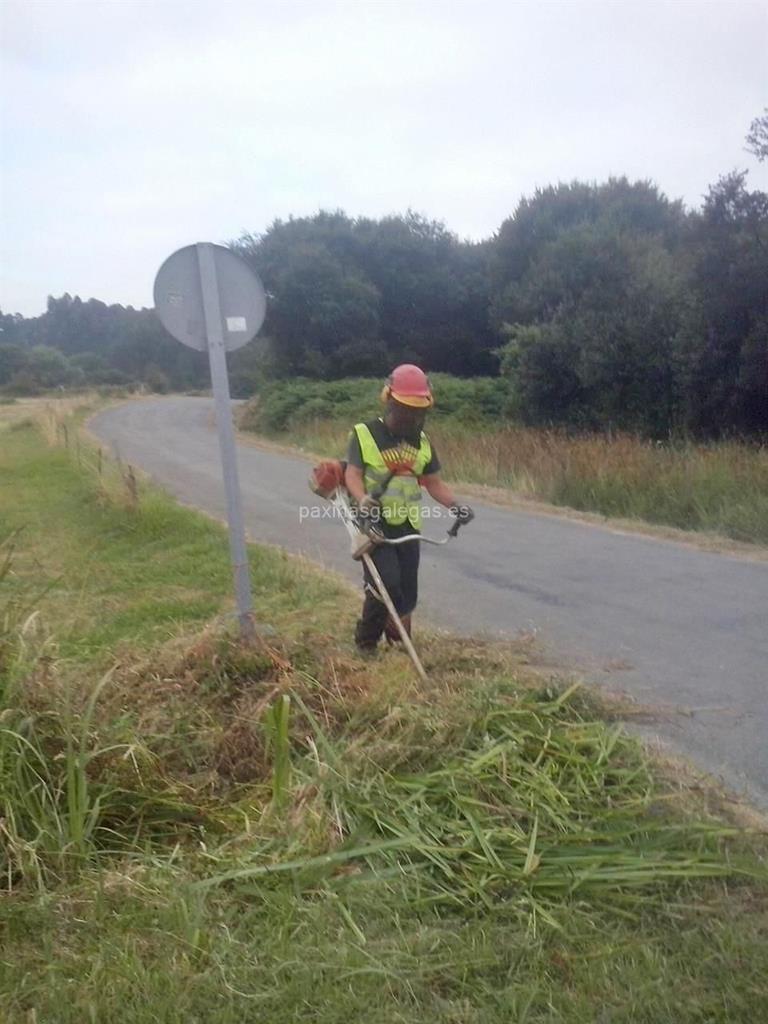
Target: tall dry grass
720	487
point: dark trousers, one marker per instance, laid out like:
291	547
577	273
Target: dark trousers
398	565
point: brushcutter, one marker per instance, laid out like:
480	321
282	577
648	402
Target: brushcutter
327	480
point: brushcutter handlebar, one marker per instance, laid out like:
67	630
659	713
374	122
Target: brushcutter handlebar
464	516
414	536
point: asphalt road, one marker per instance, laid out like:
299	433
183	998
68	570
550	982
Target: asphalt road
676	627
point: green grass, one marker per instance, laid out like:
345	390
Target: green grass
196	832
145	947
119	577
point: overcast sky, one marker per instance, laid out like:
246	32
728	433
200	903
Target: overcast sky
132	128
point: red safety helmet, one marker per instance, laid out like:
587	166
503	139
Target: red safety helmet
408	385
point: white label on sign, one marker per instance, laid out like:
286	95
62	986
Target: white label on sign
236	323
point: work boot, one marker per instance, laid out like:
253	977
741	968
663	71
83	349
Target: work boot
367	651
391	631
366	638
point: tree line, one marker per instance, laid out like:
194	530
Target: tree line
602	305
90	344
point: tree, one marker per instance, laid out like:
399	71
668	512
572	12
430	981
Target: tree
434	293
357	296
12	329
323	316
43	368
589	285
636	208
96	369
323	312
13	359
757	138
723	340
109	344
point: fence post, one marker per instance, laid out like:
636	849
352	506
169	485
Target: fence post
133	490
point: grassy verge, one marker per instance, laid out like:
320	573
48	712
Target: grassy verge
191	831
720	487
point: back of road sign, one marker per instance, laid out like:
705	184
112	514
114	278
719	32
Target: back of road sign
179	298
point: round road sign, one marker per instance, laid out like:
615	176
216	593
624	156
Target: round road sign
179	298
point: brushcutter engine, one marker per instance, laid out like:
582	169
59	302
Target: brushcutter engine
327	477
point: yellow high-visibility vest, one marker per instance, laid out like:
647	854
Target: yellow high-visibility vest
401	501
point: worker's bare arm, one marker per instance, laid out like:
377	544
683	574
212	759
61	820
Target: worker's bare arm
438	489
353	479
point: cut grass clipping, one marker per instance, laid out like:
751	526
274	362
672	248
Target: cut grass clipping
193	831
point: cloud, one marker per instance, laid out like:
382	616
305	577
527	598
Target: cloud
132	128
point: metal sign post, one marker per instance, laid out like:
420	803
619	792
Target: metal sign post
211	300
220	382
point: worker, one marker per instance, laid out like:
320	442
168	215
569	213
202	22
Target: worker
388	461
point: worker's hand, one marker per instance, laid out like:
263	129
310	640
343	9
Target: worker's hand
369	508
463	513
